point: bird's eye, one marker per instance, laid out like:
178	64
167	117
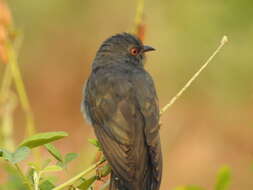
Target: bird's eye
134	51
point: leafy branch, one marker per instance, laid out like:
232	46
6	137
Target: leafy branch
33	180
80	175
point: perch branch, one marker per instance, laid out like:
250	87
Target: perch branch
78	176
172	101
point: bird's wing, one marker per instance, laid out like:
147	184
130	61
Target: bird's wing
148	103
118	124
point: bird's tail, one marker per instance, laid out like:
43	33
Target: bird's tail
148	183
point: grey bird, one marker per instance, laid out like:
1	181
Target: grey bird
120	102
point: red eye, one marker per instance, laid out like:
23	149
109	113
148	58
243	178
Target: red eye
134	51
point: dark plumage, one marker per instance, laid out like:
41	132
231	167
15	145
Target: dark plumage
121	104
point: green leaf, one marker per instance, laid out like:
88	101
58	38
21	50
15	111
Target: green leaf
54	152
20	154
46	185
87	183
223	178
6	155
61	164
42	138
69	157
52	168
96	143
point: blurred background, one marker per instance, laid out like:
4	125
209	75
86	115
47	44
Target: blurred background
209	126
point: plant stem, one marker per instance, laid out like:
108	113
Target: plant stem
25	179
19	84
7	98
30	129
7	120
6	104
36	179
172	101
6	83
139	13
78	176
139	27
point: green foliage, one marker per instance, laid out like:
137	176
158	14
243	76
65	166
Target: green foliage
54	152
69	157
51	168
100	173
34	178
17	156
38	178
43	138
86	183
63	161
20	154
46	185
5	154
96	143
223	178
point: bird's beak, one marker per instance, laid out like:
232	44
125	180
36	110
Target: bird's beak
148	48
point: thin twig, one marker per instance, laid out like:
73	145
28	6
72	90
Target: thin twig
139	12
172	101
78	176
139	26
30	130
4	97
6	83
7	120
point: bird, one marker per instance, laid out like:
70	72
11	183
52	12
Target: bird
120	102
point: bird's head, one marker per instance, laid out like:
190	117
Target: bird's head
121	49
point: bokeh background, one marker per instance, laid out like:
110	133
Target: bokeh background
209	126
